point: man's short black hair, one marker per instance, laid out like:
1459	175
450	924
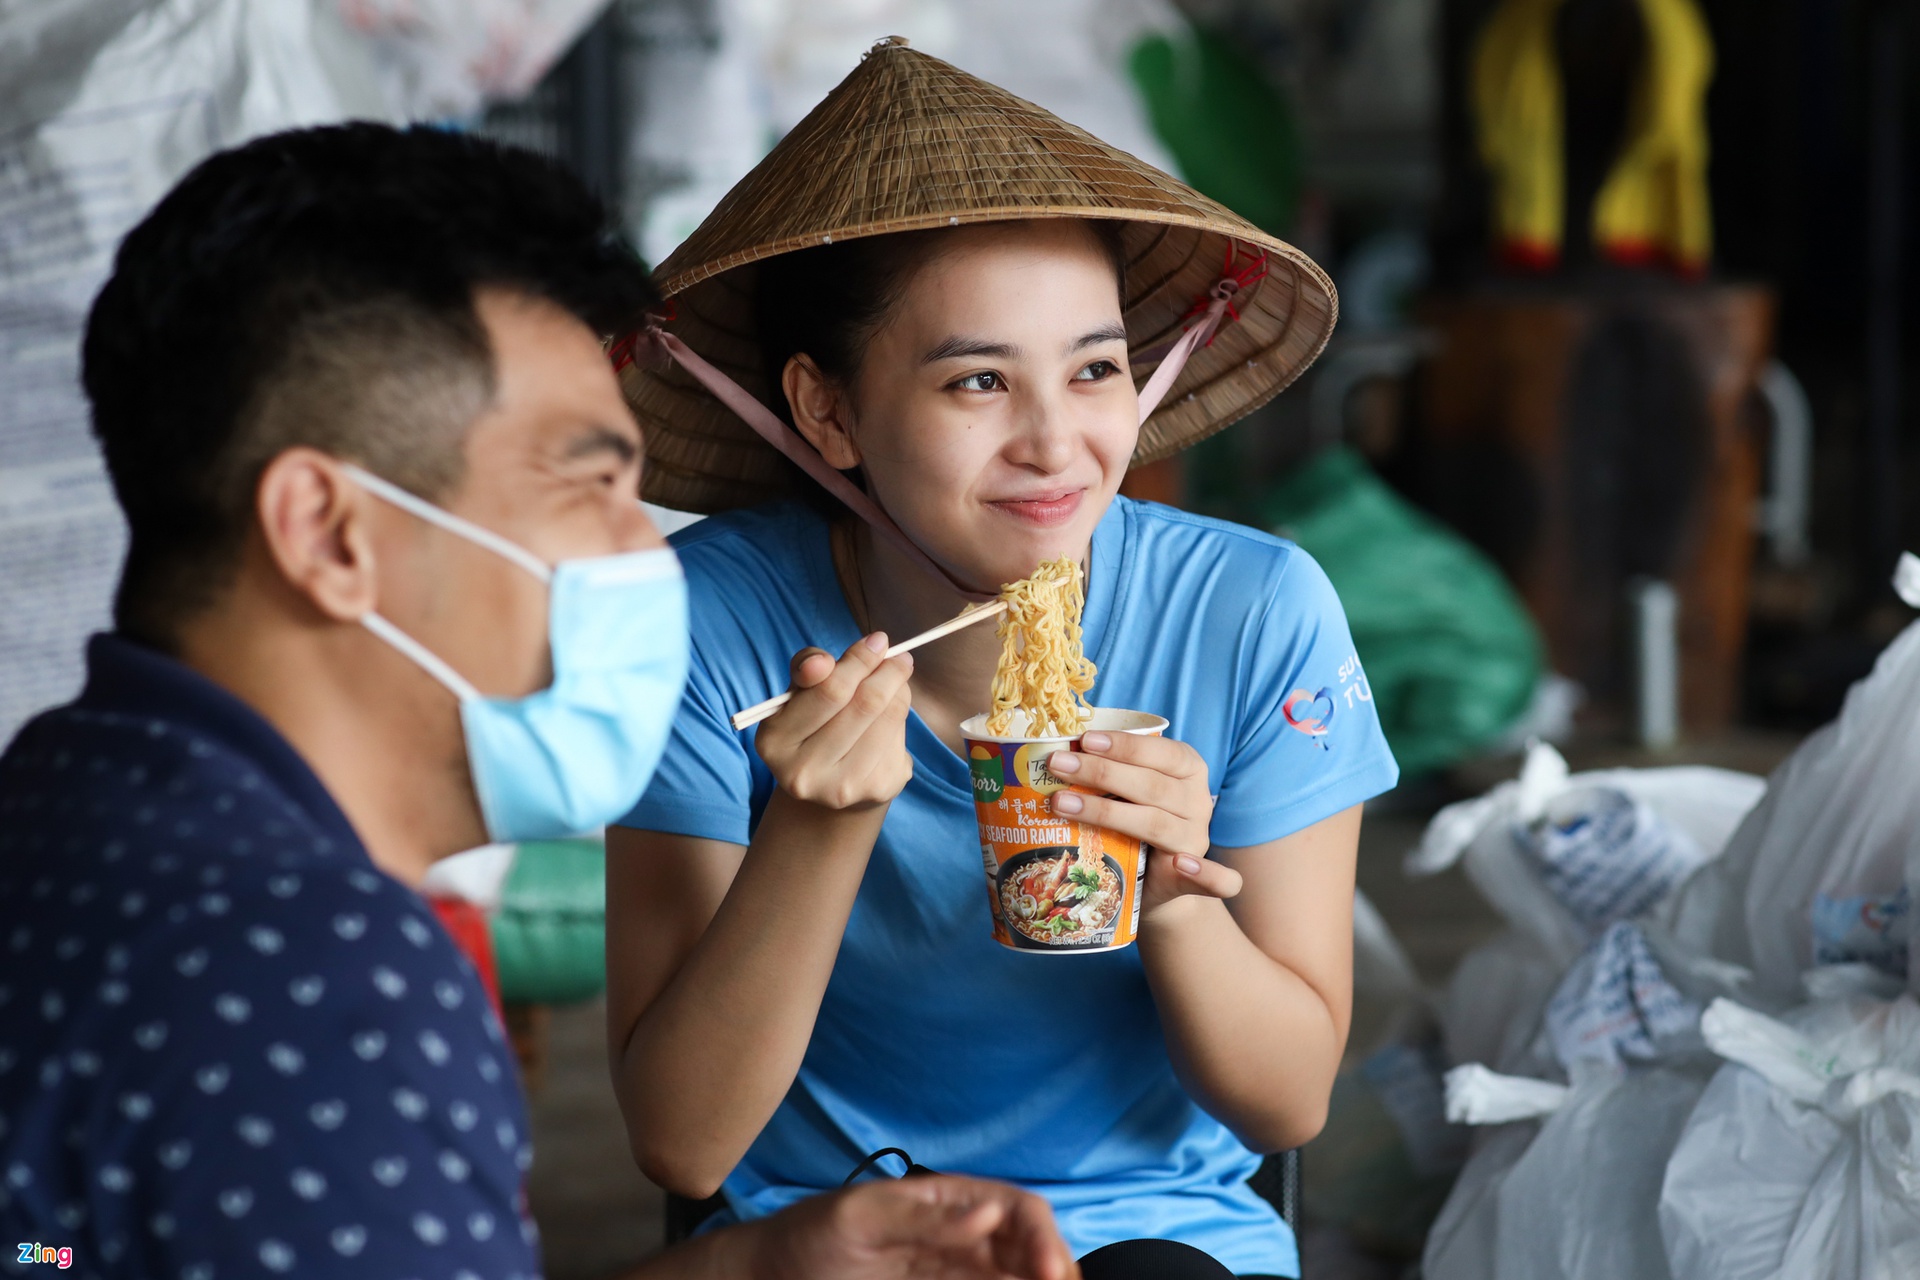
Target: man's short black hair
317	288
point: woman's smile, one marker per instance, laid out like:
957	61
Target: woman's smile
1044	511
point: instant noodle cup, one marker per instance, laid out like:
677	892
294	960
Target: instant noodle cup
1055	885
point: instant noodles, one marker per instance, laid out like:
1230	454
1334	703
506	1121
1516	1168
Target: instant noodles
1053	884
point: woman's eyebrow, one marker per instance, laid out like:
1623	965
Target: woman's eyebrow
1113	331
957	346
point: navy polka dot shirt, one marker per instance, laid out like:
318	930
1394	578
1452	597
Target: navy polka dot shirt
229	1045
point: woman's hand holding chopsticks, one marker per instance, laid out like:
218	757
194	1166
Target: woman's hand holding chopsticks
840	741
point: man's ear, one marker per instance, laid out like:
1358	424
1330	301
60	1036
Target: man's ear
820	412
314	522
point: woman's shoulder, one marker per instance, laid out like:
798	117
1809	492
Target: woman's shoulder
1171	546
757	566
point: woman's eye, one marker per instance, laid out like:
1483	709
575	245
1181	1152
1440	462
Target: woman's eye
1098	371
981	382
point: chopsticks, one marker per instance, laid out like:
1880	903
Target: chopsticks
761	710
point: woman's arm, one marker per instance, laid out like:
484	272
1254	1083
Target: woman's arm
1249	951
1256	992
718	956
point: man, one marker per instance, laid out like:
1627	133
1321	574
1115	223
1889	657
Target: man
388	594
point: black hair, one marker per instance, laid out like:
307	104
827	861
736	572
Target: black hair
317	288
829	301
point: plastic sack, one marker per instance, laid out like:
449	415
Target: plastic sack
1499	837
1617	1003
1819	872
1452	656
1573	1195
1802	1157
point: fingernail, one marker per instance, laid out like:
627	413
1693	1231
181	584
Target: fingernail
1188	864
877	642
1096	742
1063	762
1067	802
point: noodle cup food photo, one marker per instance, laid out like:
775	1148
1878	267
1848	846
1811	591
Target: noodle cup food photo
1054	885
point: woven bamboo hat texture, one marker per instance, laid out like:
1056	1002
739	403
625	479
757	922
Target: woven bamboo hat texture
908	142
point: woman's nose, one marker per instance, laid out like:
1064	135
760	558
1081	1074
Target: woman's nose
1043	438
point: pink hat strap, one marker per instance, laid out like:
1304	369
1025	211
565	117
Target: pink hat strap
1211	311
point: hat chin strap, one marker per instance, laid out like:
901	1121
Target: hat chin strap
789	442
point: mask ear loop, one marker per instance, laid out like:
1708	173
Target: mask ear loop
413	505
427	660
1211	309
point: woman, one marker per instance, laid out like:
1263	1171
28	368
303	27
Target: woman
800	965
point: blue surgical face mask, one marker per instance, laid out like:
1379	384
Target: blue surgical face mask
576	755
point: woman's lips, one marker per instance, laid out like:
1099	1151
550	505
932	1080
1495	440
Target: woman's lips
1044	512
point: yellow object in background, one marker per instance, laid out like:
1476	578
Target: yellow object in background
1517	104
1653	206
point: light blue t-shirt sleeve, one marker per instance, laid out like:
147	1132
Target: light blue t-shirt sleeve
1309	742
704	784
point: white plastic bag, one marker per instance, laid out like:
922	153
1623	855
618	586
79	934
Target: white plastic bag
1499	837
1818	873
1574	1196
1802	1158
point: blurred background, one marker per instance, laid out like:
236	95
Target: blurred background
1611	447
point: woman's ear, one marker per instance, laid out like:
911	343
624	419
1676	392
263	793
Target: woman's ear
820	412
314	523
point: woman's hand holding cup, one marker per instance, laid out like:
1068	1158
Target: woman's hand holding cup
841	742
1155	790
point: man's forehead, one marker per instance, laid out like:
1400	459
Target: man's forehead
554	386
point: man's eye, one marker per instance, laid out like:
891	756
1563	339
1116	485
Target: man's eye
981	382
1098	371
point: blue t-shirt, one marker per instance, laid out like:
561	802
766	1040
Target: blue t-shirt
229	1045
1048	1072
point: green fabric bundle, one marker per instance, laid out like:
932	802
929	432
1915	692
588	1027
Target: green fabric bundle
1451	654
550	934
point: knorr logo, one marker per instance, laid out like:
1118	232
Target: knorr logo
989	778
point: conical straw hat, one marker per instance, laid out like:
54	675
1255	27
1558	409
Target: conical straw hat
906	143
